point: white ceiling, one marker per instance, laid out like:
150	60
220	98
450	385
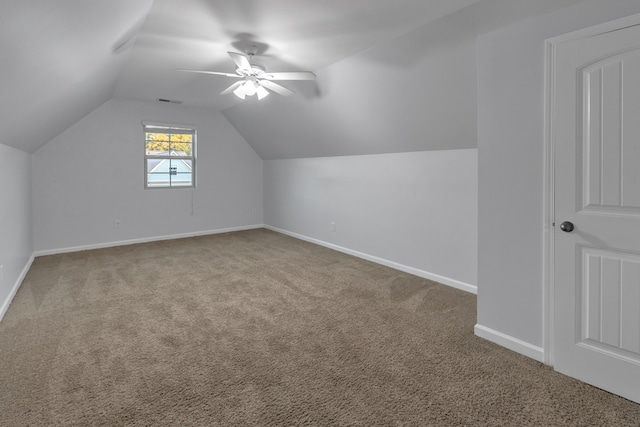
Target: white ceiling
60	59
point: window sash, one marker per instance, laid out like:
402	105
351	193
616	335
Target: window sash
167	142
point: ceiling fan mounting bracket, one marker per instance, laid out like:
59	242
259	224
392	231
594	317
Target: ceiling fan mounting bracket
252	51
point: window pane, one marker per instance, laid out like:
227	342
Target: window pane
163	144
158	173
177	137
181	149
169	173
157	143
181	172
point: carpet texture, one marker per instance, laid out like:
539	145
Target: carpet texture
258	329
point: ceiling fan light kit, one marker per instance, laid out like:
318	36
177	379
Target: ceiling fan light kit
249	88
242	89
261	92
240	92
254	78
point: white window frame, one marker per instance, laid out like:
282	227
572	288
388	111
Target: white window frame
190	129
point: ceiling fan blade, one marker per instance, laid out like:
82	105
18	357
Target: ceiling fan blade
241	61
290	75
233	87
276	88
211	72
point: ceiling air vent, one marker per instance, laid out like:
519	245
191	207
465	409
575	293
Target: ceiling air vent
170	101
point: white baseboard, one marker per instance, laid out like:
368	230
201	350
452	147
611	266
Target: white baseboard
14	290
514	344
411	270
145	240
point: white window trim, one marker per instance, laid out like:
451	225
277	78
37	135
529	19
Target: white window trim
146	124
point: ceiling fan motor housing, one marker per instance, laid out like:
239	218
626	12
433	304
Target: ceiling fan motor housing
256	70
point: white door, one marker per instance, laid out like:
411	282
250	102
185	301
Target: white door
596	134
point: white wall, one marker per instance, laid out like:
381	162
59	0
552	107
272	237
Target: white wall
92	174
418	210
510	142
16	246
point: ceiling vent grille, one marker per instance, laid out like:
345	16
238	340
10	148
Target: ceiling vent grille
170	101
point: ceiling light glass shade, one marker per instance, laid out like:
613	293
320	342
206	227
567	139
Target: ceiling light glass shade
240	92
262	92
249	88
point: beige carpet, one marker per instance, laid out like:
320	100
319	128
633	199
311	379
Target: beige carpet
258	329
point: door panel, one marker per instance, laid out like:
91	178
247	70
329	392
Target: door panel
611	134
596	135
609	314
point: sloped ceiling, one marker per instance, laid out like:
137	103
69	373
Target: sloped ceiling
288	35
376	61
416	92
60	60
413	93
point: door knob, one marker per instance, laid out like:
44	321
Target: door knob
567	227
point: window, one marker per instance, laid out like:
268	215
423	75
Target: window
169	160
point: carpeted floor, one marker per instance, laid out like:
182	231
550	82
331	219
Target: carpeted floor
258	329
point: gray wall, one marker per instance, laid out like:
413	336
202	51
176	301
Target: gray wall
510	146
16	246
416	92
415	210
413	93
92	174
414	96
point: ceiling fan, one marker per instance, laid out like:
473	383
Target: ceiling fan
254	78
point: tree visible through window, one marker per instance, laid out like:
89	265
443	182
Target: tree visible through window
170	160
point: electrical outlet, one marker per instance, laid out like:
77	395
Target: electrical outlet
1	273
117	223
333	225
253	212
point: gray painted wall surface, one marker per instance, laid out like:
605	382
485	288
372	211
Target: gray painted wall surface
415	209
414	93
92	175
16	244
510	146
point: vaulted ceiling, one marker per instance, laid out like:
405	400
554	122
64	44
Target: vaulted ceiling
61	59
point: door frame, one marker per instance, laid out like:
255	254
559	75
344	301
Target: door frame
548	239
